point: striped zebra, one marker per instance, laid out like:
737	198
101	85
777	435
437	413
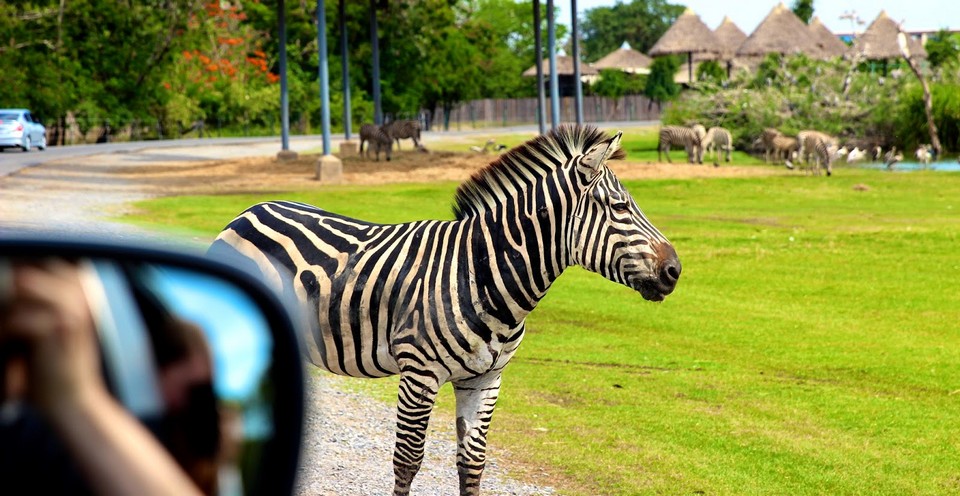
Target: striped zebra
403	130
785	148
446	301
683	136
808	153
766	141
716	140
820	150
377	139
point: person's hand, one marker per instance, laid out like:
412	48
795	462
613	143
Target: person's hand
47	316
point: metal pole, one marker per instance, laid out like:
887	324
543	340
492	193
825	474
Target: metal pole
284	94
578	85
345	63
375	43
541	103
689	67
554	80
324	75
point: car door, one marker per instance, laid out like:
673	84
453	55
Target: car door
33	130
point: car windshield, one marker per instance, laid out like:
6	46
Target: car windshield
8	116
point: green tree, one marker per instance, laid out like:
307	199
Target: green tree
660	85
710	70
943	49
640	22
803	9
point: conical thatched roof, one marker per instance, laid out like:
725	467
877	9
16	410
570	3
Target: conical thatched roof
730	36
879	41
780	32
828	44
688	35
564	67
626	59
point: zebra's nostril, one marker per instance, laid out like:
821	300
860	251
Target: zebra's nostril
670	271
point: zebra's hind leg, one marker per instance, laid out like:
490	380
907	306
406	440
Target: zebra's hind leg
417	393
476	399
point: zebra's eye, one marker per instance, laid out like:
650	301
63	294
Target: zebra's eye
620	206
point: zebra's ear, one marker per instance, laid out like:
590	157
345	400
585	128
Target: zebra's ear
595	158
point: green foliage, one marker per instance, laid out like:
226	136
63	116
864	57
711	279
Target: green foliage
660	85
943	49
911	120
711	71
614	83
803	9
638	22
781	365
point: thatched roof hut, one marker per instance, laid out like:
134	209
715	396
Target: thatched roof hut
688	35
780	32
626	59
564	67
828	44
879	41
730	36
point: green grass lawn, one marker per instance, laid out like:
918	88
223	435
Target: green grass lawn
812	346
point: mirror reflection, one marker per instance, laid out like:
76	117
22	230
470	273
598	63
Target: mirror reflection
185	353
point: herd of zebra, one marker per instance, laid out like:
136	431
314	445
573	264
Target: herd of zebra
446	301
812	150
381	138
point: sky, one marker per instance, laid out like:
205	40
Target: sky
747	14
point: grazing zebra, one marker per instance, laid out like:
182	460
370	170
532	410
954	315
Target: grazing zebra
446	301
680	136
718	139
820	151
785	147
404	130
375	138
806	153
766	140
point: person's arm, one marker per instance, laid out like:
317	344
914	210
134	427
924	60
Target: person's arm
48	312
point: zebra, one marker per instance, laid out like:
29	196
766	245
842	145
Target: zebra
821	151
403	130
802	137
717	139
446	301
785	147
680	136
376	138
766	140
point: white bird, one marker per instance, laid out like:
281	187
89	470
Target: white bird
923	154
855	155
843	151
486	147
877	153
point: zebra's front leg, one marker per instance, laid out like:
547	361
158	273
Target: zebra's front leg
476	399
418	392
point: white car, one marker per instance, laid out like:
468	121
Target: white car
19	129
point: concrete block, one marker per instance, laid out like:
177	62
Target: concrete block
329	170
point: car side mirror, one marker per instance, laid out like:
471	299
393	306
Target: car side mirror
199	352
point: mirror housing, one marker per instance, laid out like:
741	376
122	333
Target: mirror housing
275	467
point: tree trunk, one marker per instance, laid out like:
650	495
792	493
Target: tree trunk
927	98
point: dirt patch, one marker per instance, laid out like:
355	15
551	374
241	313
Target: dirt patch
269	174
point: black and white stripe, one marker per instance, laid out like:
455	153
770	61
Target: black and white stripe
376	138
819	149
446	301
403	129
683	136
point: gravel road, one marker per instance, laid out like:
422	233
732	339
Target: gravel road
348	445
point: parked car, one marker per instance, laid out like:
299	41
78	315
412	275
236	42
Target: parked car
19	129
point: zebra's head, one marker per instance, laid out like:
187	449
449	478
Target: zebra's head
611	236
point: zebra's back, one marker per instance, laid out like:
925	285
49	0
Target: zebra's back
377	138
683	136
403	129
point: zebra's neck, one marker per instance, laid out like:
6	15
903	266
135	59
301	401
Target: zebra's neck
522	255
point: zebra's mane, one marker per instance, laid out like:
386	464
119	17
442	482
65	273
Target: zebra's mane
528	163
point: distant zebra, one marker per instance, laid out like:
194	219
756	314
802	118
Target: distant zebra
716	140
820	150
803	136
376	138
785	148
446	301
766	140
680	136
404	130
